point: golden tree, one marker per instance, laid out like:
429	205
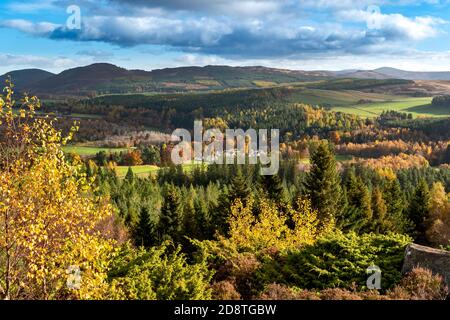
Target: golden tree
50	246
271	228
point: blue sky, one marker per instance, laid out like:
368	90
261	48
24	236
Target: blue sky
294	34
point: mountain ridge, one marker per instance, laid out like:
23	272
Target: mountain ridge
105	78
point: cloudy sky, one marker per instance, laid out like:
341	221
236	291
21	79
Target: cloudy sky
294	34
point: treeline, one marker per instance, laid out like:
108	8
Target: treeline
441	101
358	199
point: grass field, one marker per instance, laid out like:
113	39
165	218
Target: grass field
140	171
146	170
334	98
90	151
418	107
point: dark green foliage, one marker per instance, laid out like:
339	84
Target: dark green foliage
339	261
130	175
323	183
357	213
160	273
151	155
419	209
171	219
144	232
273	186
395	202
239	187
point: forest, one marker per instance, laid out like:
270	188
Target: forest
351	193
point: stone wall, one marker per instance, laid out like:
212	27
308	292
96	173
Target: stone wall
438	261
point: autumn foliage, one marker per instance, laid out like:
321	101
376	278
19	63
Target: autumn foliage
48	211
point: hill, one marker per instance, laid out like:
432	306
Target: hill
26	78
103	78
392	73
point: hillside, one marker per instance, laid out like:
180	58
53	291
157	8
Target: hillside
26	78
392	73
103	78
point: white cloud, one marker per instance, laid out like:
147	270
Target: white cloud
10	62
40	28
396	25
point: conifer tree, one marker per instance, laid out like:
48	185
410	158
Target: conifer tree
130	175
419	208
143	231
273	186
395	204
323	183
171	219
239	188
358	204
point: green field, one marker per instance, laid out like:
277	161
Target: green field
336	98
140	171
90	151
418	107
146	170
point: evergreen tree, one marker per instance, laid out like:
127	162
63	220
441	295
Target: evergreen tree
323	183
190	226
130	175
275	190
395	203
419	208
171	219
143	233
239	188
359	208
206	231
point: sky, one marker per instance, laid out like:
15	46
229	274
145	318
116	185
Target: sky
295	34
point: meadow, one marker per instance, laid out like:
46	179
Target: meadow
90	151
418	107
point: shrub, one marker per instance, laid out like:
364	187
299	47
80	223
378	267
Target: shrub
420	284
158	273
225	290
338	261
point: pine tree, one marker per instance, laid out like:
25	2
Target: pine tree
239	188
171	219
323	183
143	233
206	231
130	175
419	208
190	227
273	186
395	204
359	209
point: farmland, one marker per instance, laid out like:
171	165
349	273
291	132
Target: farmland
90	151
418	107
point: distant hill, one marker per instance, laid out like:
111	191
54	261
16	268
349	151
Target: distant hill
392	73
25	78
103	78
412	75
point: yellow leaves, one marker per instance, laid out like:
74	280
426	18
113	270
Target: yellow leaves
48	217
269	228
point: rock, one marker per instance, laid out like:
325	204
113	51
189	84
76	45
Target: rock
438	261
